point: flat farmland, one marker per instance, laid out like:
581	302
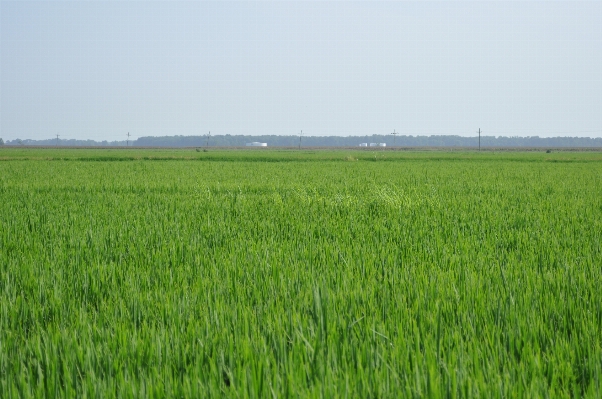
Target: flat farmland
300	273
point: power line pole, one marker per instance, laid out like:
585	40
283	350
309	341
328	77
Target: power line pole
300	135
479	139
57	139
394	135
209	135
127	143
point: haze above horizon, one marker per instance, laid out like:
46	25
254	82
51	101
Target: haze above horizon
98	70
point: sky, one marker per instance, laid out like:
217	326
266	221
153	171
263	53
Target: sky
98	70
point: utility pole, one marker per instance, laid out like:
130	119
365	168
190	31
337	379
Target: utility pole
300	135
209	135
479	139
57	139
127	143
394	135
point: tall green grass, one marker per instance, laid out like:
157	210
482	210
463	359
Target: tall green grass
303	275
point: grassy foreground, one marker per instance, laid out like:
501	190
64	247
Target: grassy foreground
154	273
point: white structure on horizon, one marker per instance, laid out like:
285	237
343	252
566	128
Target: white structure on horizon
256	144
363	144
382	144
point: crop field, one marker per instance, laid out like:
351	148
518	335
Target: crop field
311	273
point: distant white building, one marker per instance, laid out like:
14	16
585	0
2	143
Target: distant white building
382	144
256	144
363	144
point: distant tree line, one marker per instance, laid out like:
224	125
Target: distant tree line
353	141
330	141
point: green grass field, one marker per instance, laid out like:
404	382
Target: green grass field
372	274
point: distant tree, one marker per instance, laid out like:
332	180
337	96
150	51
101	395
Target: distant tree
1	141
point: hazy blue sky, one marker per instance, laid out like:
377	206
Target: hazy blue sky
100	69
